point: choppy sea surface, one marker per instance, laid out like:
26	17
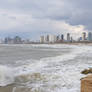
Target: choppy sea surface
43	68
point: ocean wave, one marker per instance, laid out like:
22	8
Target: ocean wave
6	75
49	74
58	76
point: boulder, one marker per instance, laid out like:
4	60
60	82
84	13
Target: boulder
87	71
86	84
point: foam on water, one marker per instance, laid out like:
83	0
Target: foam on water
54	45
6	75
50	74
58	77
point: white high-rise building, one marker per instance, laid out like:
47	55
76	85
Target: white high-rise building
89	36
52	38
83	36
42	39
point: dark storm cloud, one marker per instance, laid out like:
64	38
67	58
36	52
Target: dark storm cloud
81	14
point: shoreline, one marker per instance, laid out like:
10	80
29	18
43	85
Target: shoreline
52	44
59	43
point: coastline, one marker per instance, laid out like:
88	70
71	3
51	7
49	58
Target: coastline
70	43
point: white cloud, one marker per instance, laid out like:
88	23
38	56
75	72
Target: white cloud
51	16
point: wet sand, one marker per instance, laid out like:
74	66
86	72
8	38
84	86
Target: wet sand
12	88
7	88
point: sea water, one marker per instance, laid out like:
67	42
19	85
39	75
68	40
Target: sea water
44	68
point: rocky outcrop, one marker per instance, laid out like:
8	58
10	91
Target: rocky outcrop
87	71
86	84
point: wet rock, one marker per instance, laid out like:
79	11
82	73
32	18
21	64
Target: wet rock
87	71
86	84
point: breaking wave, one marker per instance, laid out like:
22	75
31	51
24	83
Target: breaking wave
50	74
6	75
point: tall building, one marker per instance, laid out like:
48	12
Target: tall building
52	38
62	37
47	39
57	38
42	39
83	36
71	39
89	36
8	40
17	40
68	37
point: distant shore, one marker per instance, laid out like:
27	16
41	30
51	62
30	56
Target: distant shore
67	43
60	43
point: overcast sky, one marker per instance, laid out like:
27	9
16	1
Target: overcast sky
32	18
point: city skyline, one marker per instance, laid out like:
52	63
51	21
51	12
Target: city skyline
61	38
85	36
30	18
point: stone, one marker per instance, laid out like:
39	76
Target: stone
86	84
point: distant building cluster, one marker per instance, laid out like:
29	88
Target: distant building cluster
15	40
55	39
86	37
67	38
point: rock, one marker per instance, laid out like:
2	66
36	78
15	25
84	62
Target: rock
86	84
87	71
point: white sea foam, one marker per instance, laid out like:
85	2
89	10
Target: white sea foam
6	75
54	45
51	74
59	76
